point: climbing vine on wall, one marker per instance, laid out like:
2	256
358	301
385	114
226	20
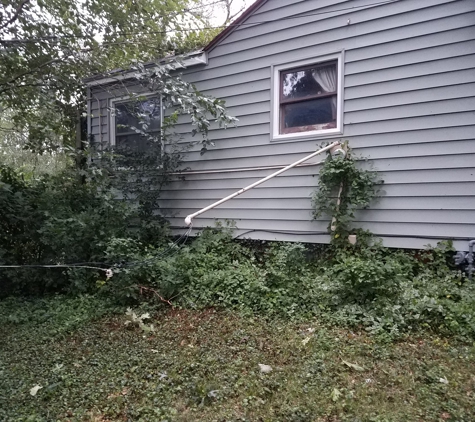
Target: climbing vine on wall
344	186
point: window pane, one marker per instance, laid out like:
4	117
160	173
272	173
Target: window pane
144	115
134	142
311	81
309	113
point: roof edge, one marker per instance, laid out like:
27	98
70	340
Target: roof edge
194	58
223	34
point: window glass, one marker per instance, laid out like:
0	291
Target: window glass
134	117
306	116
308	98
303	83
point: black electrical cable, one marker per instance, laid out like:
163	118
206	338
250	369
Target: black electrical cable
400	236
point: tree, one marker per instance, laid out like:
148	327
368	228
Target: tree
48	46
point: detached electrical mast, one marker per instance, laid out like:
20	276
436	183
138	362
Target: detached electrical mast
334	147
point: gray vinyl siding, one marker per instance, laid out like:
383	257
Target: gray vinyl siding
408	102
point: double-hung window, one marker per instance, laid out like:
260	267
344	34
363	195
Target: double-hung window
307	98
136	123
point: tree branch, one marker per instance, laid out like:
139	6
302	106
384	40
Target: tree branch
16	14
153	291
29	72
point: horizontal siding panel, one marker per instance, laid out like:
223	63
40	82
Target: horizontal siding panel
361	141
384	203
429	177
243	214
413	123
316	12
381	164
244	178
103	121
410	57
417	229
306	148
225	183
411	84
413	97
277	53
419	243
278	9
419	150
332	35
224	92
410	71
424	163
352	67
239	202
255	96
422	42
389	216
402	190
260	124
412	110
395	16
407	137
214	133
236	111
232	79
414	216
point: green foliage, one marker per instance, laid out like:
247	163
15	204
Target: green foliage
49	46
368	275
204	366
343	188
60	220
14	152
53	315
389	292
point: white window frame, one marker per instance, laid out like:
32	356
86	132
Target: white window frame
275	109
128	99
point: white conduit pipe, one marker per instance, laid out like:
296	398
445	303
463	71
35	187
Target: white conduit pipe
239	192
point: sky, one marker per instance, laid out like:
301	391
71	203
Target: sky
237	5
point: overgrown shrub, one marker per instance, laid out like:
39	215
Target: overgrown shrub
58	219
387	292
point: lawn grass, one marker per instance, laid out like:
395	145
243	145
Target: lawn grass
204	366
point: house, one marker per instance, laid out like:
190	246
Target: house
395	78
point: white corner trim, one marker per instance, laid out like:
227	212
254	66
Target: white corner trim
275	98
190	61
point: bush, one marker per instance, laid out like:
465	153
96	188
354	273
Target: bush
387	292
58	219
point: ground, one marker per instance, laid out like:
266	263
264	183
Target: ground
204	366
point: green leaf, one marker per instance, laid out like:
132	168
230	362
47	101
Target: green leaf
335	394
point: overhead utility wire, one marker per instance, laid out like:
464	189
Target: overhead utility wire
366	6
171	250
